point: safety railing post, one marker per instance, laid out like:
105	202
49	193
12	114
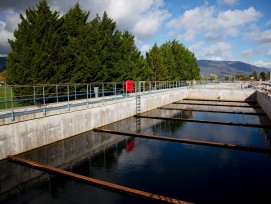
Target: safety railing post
75	92
126	91
123	88
115	90
68	92
34	95
12	111
89	90
6	102
103	93
43	96
56	93
87	97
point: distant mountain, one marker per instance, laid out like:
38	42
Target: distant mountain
3	64
222	68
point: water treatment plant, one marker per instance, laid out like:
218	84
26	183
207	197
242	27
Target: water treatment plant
169	143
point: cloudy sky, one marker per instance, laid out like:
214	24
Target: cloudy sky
215	29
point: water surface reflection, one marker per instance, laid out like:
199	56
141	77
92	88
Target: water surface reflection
192	173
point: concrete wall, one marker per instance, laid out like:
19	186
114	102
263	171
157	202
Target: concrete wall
222	94
63	154
265	102
31	131
36	130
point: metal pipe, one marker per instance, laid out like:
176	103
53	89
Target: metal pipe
212	111
208	104
95	182
237	101
207	121
187	141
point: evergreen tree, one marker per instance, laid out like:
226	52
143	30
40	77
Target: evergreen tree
255	75
262	76
268	76
169	60
174	60
129	63
110	55
36	54
75	27
186	67
157	70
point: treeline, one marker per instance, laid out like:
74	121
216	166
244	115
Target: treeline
50	49
253	76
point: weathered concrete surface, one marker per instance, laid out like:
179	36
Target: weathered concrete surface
63	154
67	153
29	132
222	94
264	101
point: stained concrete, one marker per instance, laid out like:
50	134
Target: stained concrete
28	132
264	100
35	130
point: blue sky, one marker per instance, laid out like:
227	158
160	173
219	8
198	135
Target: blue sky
237	30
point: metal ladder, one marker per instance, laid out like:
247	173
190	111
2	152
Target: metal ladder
138	108
138	103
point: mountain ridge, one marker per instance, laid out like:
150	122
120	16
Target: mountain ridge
207	67
222	68
3	63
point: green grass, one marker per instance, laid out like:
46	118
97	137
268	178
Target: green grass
3	98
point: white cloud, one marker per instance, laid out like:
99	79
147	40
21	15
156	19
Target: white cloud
260	37
247	53
12	20
148	24
142	17
218	51
269	53
206	19
213	37
197	46
262	63
268	23
145	48
4	36
228	2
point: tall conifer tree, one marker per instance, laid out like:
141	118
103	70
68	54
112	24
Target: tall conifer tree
75	27
36	54
158	71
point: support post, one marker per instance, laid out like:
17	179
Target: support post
43	96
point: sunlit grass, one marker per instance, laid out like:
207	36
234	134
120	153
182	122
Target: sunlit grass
5	97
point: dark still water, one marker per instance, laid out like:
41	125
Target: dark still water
192	173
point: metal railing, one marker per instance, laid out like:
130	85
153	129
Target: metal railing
25	99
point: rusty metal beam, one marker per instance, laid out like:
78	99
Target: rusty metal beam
207	121
187	141
209	104
212	111
236	101
95	182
